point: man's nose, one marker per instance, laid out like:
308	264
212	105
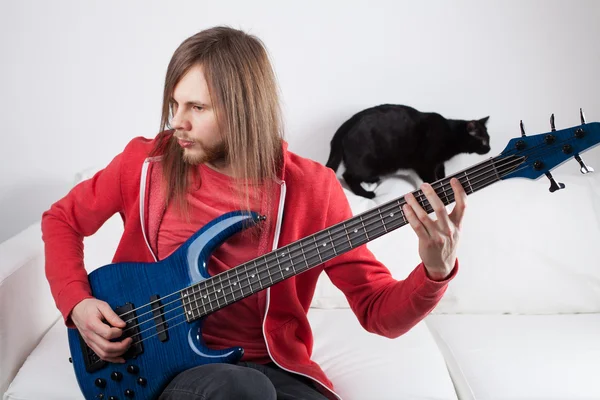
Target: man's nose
180	122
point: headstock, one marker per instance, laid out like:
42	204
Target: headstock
534	156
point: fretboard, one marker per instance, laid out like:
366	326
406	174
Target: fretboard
244	280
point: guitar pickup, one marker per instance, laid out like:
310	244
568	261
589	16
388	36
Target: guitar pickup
159	318
132	329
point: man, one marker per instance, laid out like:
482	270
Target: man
221	149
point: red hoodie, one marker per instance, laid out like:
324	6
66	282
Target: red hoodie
313	200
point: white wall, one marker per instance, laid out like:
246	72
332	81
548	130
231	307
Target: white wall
79	79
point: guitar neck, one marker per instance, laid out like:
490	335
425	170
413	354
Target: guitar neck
244	280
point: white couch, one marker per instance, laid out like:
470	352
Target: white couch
520	321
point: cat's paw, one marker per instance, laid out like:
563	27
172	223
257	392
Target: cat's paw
368	195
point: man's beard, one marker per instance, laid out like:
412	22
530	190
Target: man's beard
216	154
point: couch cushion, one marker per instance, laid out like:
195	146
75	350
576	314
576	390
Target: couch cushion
510	357
525	250
26	306
363	365
47	372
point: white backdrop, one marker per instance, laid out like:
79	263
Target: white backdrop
79	79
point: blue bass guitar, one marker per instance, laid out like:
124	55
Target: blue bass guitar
163	303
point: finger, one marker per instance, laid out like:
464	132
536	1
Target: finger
415	223
420	213
105	331
105	357
110	316
102	354
460	197
94	341
111	349
438	207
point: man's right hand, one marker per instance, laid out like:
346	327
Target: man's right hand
89	316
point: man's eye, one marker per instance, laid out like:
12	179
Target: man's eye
198	108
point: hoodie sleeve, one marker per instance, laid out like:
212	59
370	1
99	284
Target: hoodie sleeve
80	213
382	304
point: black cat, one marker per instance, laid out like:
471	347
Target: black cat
383	139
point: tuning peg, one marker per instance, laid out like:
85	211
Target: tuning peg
553	128
581	116
585	169
553	185
522	129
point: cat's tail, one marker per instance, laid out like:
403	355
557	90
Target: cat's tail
337	150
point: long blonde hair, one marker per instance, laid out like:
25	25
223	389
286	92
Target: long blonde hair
244	93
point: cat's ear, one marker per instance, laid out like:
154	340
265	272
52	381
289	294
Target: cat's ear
484	120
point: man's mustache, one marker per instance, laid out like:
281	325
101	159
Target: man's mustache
179	136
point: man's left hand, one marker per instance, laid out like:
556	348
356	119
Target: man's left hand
438	239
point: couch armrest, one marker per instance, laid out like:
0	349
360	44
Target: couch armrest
27	309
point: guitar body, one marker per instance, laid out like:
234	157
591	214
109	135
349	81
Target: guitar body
169	345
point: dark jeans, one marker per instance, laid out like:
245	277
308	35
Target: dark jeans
242	381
